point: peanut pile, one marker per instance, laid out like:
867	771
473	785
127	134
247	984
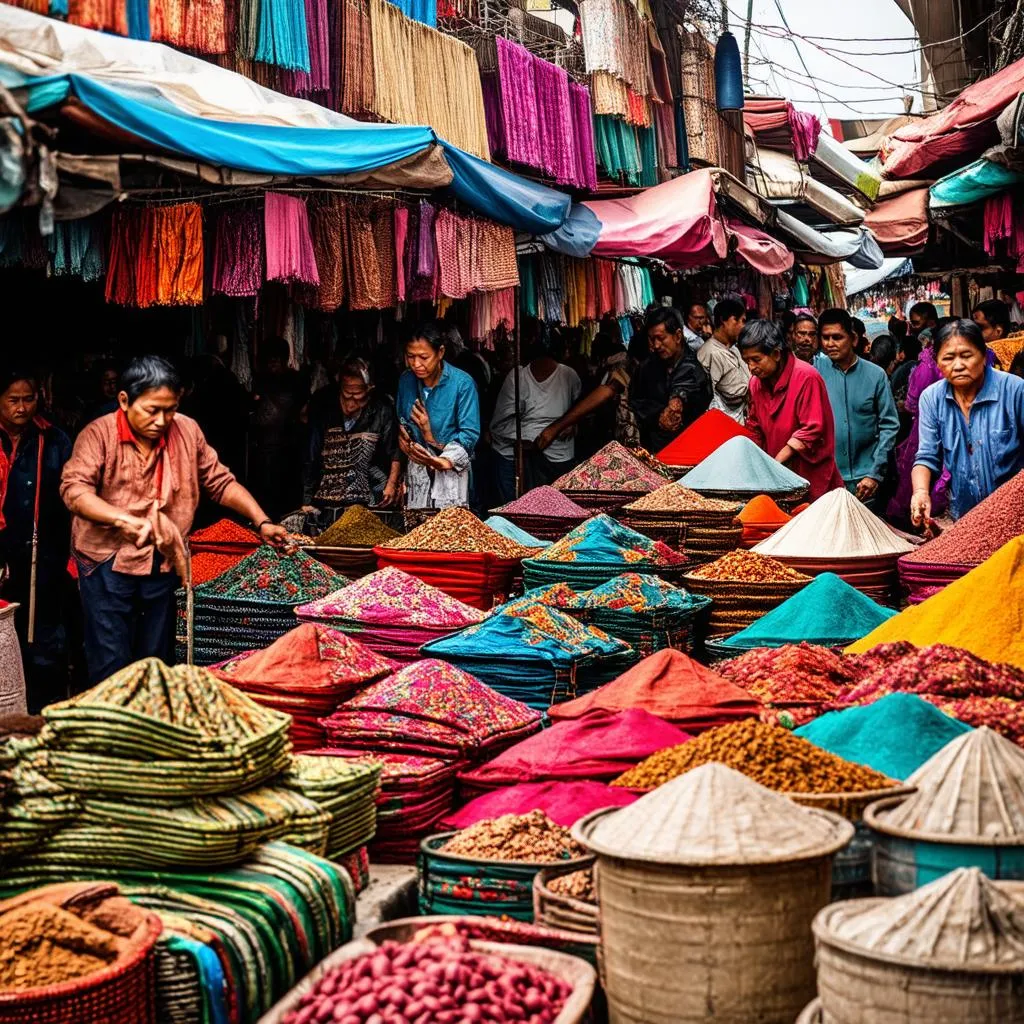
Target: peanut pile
531	838
578	884
749	567
766	753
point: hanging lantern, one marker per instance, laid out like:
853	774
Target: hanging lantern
728	73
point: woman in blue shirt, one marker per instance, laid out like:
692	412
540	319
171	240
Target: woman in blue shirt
439	423
972	422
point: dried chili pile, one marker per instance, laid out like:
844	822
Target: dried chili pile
748	567
356	527
531	838
862	665
458	530
793	673
768	754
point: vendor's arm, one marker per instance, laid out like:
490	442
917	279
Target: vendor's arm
812	412
928	460
584	407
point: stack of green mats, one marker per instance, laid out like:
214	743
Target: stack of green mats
31	810
346	790
253	604
154	732
234	941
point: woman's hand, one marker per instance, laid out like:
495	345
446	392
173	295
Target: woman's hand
920	507
867	489
277	537
418	414
390	495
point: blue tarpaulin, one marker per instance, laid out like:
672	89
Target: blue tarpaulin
972	184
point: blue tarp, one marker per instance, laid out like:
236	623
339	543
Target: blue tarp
972	184
144	112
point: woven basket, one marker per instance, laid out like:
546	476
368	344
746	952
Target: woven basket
577	973
671	531
565	913
811	1013
351	562
123	993
850	805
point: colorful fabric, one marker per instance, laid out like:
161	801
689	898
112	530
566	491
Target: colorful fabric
614	469
642	595
392	597
601	540
518	139
555	122
289	244
267	578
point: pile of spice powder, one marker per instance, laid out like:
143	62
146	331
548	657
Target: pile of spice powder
748	567
226	531
356	527
794	673
458	530
768	754
530	838
980	533
762	511
546	502
703	436
207	565
614	470
677	498
862	665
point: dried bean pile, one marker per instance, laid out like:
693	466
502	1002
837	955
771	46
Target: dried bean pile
677	498
458	530
578	884
356	527
748	567
531	838
441	981
793	673
547	502
766	753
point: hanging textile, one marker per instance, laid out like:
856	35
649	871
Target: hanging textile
615	143
76	249
583	132
137	13
238	253
289	245
998	220
615	40
318	79
610	95
419	10
554	121
495	255
370	257
327	227
700	113
102	15
156	256
489	312
281	35
648	150
518	104
357	71
454	237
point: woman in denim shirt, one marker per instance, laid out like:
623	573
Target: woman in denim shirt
972	422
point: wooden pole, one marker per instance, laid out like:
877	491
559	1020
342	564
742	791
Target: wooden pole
519	415
34	574
190	608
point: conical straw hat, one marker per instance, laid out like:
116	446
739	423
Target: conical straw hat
971	791
713	815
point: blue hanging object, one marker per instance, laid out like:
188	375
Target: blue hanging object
728	73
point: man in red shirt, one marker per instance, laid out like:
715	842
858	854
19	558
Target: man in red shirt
132	484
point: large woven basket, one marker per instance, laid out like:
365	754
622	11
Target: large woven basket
565	913
123	993
576	972
850	805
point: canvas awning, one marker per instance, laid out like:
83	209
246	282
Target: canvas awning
857	246
834	164
152	98
900	224
860	280
778	177
972	184
962	130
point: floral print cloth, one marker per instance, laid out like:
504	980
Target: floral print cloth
265	577
602	541
615	469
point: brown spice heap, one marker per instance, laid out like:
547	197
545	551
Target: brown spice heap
356	527
749	567
579	885
42	944
765	753
457	529
677	498
531	838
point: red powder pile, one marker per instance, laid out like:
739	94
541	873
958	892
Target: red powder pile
703	436
207	565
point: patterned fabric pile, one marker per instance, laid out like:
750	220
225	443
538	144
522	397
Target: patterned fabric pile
708	527
422	724
307	673
609	479
596	552
234	941
534	653
253	604
455	552
392	613
544	512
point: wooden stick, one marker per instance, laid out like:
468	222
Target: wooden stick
34	575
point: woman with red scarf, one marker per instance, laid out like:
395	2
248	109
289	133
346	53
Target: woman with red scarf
133	484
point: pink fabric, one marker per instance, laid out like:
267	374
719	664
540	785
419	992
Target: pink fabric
290	254
765	254
998	220
555	121
563	802
238	254
583	128
961	130
401	235
805	129
520	123
900	223
600	745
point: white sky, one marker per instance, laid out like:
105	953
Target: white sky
854	78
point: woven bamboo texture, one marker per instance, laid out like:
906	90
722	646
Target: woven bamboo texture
850	805
563	912
123	993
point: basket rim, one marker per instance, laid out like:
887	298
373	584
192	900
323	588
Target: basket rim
106	975
429	851
824	935
871	819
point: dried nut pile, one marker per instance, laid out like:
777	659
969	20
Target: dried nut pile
766	753
457	529
531	838
749	567
579	885
677	498
440	981
356	527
